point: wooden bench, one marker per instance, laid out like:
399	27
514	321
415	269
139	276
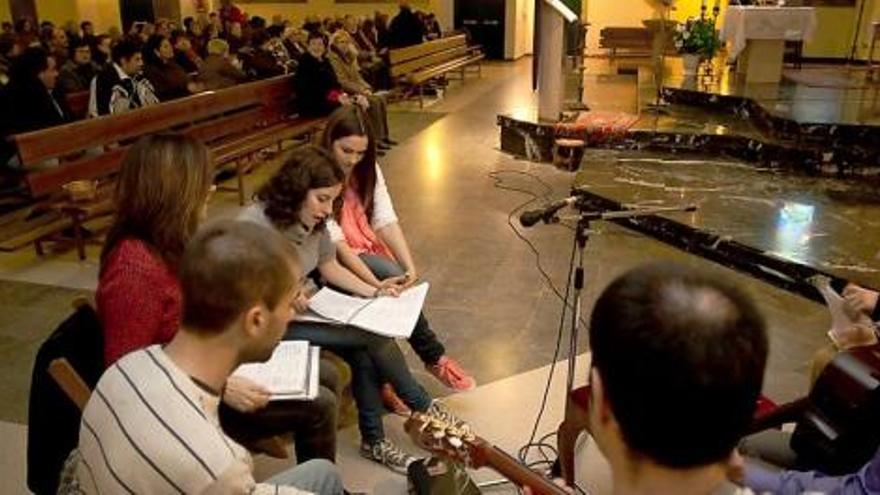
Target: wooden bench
414	66
629	38
236	123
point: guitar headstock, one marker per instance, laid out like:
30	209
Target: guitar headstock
445	439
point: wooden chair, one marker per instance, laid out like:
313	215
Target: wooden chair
72	384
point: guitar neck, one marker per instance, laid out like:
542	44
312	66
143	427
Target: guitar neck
513	470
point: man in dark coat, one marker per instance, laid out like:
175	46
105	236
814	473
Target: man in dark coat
28	103
406	29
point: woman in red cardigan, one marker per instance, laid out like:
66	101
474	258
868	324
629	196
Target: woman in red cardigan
162	193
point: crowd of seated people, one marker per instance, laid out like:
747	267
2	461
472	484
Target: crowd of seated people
163	61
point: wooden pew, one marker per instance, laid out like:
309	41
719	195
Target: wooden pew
630	38
235	123
414	66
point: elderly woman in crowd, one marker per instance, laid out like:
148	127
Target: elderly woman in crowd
344	59
220	69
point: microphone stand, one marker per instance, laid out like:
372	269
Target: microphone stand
573	423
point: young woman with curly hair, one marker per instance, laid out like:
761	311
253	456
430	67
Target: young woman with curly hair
298	200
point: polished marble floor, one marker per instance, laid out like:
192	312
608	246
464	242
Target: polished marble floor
813	94
457	196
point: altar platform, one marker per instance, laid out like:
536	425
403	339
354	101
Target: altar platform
785	175
818	119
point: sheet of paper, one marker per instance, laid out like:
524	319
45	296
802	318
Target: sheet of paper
312	389
286	372
390	316
311	316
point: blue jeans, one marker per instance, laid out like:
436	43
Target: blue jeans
423	340
374	360
317	476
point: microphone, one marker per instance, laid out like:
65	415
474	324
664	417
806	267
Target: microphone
531	217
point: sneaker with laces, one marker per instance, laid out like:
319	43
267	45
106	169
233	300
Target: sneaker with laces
393	402
451	374
389	455
440	412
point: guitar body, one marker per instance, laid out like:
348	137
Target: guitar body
575	422
838	431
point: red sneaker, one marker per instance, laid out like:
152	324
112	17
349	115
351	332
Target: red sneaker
393	403
451	374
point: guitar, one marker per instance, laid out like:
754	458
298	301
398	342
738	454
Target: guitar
461	445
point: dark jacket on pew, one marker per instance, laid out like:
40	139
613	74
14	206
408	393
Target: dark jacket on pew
184	60
28	106
168	79
217	72
406	29
316	87
53	419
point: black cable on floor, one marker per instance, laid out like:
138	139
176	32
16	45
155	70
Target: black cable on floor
541	445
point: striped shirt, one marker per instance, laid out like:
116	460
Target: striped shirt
148	428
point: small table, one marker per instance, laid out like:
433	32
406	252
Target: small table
758	35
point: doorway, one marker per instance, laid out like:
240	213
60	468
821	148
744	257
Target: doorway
484	20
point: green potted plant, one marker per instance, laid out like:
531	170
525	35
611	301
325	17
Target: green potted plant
696	39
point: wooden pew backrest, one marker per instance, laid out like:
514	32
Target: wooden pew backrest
401	55
60	141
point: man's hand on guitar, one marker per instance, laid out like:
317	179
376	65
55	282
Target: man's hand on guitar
860	299
556	481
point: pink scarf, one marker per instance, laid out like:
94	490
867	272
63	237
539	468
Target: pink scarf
359	234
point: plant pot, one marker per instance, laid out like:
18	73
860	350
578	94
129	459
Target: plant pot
691	63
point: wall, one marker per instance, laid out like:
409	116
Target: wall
5	12
519	25
103	13
298	11
832	38
57	11
833	34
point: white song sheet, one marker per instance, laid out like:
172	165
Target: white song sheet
389	316
289	373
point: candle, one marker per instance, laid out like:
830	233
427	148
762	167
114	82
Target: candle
717	6
703	5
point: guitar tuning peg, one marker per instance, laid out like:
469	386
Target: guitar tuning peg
455	442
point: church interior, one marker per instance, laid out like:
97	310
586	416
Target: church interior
735	138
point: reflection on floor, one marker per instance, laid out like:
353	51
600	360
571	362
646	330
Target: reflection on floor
456	193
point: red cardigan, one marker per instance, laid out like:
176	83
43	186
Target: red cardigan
139	300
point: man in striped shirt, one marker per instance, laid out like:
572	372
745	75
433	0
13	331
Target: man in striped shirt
151	425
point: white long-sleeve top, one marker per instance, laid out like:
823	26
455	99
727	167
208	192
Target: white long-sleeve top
383	210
